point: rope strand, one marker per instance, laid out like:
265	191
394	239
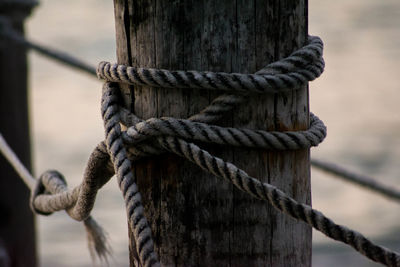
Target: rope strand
160	135
280	200
168	132
77	204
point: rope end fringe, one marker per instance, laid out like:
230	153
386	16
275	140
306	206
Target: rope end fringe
98	244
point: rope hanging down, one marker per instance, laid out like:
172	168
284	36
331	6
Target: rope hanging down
146	138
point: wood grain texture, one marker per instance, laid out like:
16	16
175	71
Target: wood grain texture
17	227
197	219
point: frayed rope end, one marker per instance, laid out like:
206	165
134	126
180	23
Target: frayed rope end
99	247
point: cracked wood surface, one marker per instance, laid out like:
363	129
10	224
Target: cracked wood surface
197	219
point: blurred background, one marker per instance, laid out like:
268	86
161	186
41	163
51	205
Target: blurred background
357	97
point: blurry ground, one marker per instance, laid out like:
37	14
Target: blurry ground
357	97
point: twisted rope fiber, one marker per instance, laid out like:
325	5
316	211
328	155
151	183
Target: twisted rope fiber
168	126
294	72
280	200
98	171
50	194
225	101
126	180
196	131
146	150
214	111
52	182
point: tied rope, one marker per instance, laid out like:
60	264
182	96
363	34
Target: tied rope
155	136
372	184
52	182
95	235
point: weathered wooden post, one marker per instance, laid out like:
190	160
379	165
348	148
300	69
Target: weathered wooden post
199	220
17	230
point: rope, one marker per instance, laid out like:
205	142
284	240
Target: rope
78	202
291	73
221	104
281	201
167	134
359	179
155	136
196	131
125	177
9	33
316	126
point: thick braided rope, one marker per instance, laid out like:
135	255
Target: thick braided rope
280	200
50	194
227	136
141	131
304	57
295	71
52	183
143	241
305	64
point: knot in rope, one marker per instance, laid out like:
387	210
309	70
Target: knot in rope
157	135
145	138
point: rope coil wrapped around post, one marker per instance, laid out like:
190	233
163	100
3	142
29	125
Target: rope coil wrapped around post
155	136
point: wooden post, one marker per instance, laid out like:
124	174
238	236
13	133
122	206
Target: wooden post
17	229
197	219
